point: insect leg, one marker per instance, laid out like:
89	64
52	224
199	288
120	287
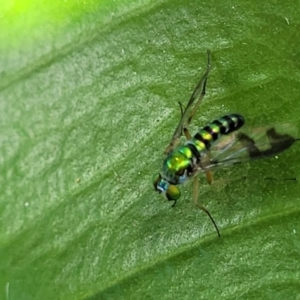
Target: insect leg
209	177
197	104
204	162
187	134
188	113
200	206
203	92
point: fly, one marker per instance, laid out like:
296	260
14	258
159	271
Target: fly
216	145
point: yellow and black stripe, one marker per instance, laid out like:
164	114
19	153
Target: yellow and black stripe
204	138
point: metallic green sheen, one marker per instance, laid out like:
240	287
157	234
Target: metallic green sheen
224	123
173	192
177	161
200	146
205	135
234	119
215	128
186	151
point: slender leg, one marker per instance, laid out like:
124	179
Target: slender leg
188	113
209	177
200	206
187	134
197	104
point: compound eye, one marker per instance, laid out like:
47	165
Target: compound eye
173	192
156	180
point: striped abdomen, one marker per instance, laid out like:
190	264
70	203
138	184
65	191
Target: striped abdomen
203	139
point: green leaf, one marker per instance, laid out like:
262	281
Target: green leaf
88	96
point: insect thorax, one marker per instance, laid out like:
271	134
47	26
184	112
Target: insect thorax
176	164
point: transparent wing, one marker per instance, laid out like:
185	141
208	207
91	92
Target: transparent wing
191	108
240	147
